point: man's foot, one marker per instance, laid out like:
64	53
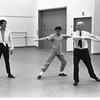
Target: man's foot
75	84
10	76
97	79
39	77
62	74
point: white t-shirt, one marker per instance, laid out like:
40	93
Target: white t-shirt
56	42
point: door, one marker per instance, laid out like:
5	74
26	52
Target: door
87	27
51	19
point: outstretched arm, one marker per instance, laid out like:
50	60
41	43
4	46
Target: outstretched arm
44	38
71	36
66	36
94	38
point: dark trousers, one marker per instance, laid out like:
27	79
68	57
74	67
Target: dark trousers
85	57
5	51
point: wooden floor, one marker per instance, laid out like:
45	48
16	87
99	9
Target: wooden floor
26	64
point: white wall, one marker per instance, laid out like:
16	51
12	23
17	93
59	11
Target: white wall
20	16
17	7
48	4
74	10
97	25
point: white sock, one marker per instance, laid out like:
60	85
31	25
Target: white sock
41	73
62	72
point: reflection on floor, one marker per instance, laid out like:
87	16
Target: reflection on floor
26	64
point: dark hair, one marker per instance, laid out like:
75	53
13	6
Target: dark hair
1	21
58	28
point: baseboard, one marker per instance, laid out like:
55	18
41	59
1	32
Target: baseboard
95	53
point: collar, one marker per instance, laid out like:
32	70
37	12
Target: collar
79	31
5	29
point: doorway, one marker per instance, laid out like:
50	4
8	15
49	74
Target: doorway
48	20
87	27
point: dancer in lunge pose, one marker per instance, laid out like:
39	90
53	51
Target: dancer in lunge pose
56	40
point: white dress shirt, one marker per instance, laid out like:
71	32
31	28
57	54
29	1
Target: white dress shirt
84	37
7	39
76	39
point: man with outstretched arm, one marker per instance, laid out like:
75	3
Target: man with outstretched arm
56	40
81	52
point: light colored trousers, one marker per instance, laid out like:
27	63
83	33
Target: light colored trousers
51	56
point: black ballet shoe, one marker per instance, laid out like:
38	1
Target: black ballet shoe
97	79
39	77
62	74
11	76
75	84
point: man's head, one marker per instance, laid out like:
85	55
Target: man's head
3	23
80	25
58	29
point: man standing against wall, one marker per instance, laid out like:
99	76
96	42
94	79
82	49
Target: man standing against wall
6	45
81	51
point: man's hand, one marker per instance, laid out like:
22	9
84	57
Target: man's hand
35	40
76	37
11	52
66	37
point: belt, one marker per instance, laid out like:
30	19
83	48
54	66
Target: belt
80	49
3	43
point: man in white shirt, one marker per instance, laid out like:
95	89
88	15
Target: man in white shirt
56	40
81	51
6	45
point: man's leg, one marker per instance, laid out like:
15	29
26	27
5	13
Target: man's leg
76	59
47	63
1	46
7	63
87	60
63	64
